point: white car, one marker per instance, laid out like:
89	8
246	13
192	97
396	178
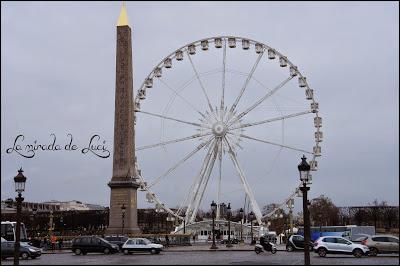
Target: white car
338	245
140	245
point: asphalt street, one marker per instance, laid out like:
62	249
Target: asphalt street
206	258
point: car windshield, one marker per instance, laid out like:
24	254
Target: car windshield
104	240
146	241
24	244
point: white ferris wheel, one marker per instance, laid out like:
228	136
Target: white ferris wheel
217	116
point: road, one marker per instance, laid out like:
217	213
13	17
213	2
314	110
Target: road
206	258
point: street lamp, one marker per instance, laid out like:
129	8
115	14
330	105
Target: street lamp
123	208
290	206
19	181
61	225
34	212
184	222
251	217
213	209
229	215
241	225
51	222
304	170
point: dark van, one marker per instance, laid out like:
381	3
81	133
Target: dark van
88	244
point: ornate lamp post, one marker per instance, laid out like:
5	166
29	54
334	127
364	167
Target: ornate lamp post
213	209
304	169
241	225
61	225
290	206
184	222
251	217
229	215
123	209
19	181
51	222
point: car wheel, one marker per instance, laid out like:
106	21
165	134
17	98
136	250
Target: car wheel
322	252
153	251
106	251
357	253
257	250
78	251
126	252
25	255
289	248
373	251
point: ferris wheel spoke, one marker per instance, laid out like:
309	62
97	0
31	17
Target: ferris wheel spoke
223	78
183	160
283	83
271	120
206	178
272	143
173	119
180	96
195	136
247	82
201	83
246	186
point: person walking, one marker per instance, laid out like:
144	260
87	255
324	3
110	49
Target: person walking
166	241
53	240
45	243
60	243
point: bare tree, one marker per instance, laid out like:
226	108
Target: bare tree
323	211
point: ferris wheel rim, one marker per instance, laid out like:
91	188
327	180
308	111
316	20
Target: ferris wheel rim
211	40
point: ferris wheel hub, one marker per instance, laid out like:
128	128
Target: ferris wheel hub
219	129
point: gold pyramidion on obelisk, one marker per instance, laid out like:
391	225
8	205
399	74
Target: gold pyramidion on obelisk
123	17
123	185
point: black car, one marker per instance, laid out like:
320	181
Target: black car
25	250
88	244
117	240
296	242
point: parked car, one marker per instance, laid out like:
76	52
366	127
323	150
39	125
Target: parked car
141	245
338	245
381	244
233	241
88	244
117	240
25	250
296	242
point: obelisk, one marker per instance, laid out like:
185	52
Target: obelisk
123	185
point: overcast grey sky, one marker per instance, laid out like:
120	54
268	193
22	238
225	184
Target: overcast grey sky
58	76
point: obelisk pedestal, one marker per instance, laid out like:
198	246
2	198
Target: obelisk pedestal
123	184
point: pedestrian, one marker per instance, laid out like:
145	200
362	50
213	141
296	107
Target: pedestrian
60	243
166	241
45	242
53	240
194	239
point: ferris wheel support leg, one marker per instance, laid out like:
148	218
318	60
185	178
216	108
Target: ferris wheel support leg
246	186
198	181
219	180
204	185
